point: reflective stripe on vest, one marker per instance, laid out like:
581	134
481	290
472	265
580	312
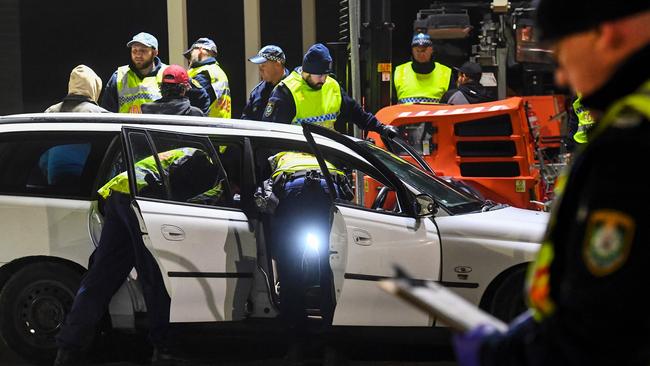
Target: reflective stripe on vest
321	107
585	120
120	183
293	161
220	107
412	87
132	91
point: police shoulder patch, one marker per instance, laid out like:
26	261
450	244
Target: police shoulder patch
268	111
608	239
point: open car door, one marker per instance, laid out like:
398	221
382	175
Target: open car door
366	243
202	245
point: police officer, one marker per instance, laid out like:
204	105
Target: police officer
271	61
175	84
121	248
585	121
422	80
137	83
583	289
310	95
299	233
205	69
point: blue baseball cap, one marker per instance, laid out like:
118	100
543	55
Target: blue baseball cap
203	42
268	53
144	38
317	60
421	40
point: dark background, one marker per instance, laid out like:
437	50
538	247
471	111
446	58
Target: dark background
42	41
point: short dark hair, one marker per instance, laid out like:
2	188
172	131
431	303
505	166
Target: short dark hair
172	90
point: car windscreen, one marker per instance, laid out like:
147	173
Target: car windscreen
451	199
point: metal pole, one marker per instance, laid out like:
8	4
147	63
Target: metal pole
355	71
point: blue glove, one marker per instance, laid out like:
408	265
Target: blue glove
467	346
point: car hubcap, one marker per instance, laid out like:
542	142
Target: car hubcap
41	312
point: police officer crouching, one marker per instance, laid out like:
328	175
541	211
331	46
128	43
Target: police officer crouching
299	238
192	178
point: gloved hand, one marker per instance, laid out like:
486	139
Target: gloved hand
389	131
467	346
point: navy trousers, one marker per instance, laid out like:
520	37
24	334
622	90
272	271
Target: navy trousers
120	249
304	210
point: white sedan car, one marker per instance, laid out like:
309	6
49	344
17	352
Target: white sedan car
213	258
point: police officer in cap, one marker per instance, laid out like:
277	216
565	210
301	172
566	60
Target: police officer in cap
585	289
422	80
205	69
271	62
134	84
310	95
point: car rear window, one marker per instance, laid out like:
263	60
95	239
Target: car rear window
51	164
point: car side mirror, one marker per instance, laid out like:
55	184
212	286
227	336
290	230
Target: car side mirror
425	205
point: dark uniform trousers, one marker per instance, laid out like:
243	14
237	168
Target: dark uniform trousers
304	208
120	249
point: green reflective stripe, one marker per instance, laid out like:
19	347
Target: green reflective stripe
638	101
320	107
133	91
120	183
412	87
294	161
585	120
221	106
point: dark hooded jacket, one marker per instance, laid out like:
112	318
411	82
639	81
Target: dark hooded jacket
469	93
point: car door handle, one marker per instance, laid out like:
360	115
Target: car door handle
362	237
171	232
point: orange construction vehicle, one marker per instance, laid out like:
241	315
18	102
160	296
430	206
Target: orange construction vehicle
507	150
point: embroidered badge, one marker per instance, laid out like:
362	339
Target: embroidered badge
607	242
269	109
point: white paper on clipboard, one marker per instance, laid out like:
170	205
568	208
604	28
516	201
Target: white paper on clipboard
453	310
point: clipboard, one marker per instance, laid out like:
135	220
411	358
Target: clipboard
430	297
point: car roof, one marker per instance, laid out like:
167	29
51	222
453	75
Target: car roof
149	119
181	124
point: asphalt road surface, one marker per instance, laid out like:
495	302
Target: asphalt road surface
205	349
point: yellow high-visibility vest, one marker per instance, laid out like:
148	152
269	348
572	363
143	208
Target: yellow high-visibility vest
221	106
320	107
132	91
412	87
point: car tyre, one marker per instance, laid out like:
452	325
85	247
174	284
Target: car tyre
33	307
508	301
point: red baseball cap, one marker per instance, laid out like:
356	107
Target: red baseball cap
175	74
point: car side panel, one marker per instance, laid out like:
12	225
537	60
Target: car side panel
376	242
209	271
44	227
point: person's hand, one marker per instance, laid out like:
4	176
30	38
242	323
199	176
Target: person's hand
389	131
467	346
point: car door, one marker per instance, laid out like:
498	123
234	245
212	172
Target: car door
204	247
367	243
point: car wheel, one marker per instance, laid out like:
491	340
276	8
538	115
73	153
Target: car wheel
33	306
508	301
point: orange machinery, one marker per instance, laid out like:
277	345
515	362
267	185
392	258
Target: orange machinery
488	146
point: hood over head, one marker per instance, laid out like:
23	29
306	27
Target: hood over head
84	81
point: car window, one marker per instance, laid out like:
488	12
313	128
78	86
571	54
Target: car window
420	136
449	197
53	164
178	167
